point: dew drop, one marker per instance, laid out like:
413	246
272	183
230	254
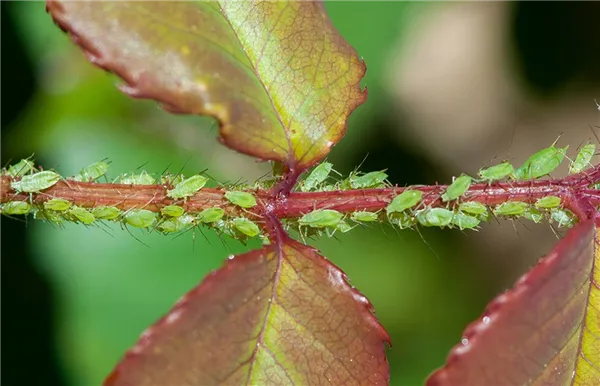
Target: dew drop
464	341
486	320
231	257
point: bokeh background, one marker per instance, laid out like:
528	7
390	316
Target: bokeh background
452	87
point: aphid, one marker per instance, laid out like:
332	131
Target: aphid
82	215
177	224
264	239
48	215
464	221
457	188
241	199
23	167
562	217
140	218
364	216
34	183
225	228
138	179
343	227
245	226
188	187
435	217
541	163
316	177
92	172
57	204
404	201
106	212
473	207
172	180
321	218
497	172
16	207
533	214
172	211
211	215
583	158
510	208
369	180
547	202
402	220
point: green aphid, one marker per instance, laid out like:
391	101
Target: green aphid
541	163
16	207
211	215
457	188
172	211
245	226
435	217
583	158
533	214
57	204
511	208
473	207
402	220
140	218
241	199
264	239
172	180
176	224
106	212
316	177
497	172
369	180
82	215
92	172
405	200
321	218
563	218
343	227
464	221
548	202
364	216
138	179
225	228
23	167
188	187
48	215
37	182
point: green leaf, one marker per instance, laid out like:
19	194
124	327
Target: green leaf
277	76
279	315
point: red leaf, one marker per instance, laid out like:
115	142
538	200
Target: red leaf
544	331
279	315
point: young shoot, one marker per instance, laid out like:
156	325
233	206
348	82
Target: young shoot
188	187
457	188
404	201
34	183
241	199
583	158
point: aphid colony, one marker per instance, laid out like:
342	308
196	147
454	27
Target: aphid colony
172	218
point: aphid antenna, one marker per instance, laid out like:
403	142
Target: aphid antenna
132	235
141	166
426	243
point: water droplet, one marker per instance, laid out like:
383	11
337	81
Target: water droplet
231	257
464	341
486	320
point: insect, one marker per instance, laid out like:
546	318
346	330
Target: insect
37	182
321	218
23	167
82	215
364	216
176	224
402	220
211	215
435	217
16	207
316	177
404	201
106	212
369	180
241	199
547	202
511	208
464	221
57	204
473	207
140	218
92	172
497	172
457	188
172	211
343	227
188	187
562	217
541	163
138	179
533	214
583	158
245	226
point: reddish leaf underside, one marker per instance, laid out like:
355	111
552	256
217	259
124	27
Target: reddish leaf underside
544	331
277	75
277	316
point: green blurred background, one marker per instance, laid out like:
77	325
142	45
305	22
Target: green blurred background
75	298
